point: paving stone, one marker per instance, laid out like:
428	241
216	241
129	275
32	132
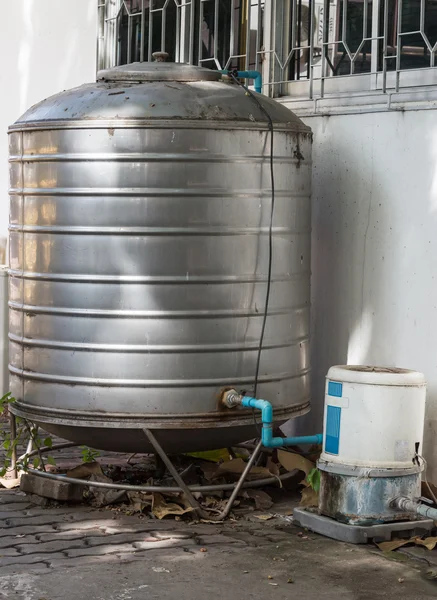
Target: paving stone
135	527
10	541
103	549
215	539
48	518
125	538
39	500
71	563
49	488
164	544
26	530
118	557
8	552
49	547
14	506
99	550
165	535
69	535
13	569
58	544
28	559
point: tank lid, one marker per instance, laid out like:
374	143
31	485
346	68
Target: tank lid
158	71
372	375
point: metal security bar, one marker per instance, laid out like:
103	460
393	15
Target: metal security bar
304	48
214	33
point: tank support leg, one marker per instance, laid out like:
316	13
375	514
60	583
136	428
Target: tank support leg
225	512
172	470
188	494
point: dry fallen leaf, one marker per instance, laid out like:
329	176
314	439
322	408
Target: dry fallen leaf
430	543
209	469
105	497
85	470
237	466
309	496
161	508
292	461
262	500
140	500
263	517
273	467
393	545
9	484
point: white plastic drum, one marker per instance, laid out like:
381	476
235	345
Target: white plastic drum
374	417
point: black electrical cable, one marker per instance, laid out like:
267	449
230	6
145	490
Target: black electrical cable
233	75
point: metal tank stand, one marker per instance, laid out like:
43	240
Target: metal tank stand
180	486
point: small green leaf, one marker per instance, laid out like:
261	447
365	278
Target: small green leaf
6	399
36	462
51	460
48	442
313	479
7	444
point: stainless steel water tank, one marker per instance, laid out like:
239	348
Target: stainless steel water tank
139	246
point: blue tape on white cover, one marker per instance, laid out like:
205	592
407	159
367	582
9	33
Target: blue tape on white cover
332	438
335	389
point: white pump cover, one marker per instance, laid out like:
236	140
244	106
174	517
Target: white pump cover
374	417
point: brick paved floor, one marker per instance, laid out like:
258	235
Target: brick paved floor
77	552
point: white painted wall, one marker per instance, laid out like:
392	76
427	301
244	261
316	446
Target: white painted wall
374	286
46	46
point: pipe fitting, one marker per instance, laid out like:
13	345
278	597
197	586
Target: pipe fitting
231	399
405	504
255	75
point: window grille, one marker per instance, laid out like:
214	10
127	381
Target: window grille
304	48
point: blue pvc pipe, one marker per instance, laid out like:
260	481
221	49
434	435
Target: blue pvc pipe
267	427
255	75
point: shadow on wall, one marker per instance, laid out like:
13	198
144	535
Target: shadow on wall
374	253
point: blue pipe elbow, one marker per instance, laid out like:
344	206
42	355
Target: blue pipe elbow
255	75
267	438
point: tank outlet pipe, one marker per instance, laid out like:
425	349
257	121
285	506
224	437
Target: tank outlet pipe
413	506
231	399
255	75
